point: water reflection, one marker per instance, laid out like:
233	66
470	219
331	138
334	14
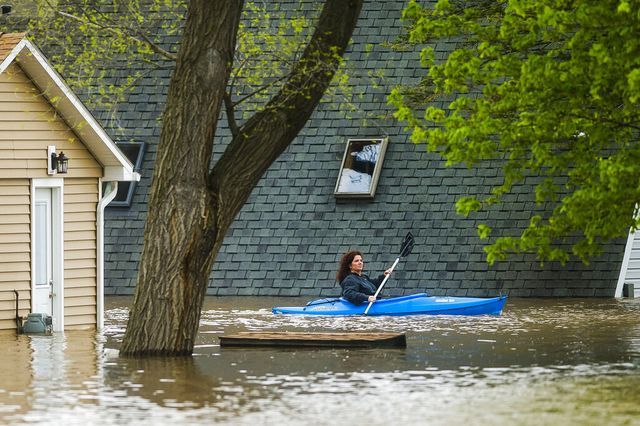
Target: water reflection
570	361
39	372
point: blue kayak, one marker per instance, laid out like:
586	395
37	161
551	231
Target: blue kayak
416	304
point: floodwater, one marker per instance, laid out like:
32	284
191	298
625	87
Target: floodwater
543	362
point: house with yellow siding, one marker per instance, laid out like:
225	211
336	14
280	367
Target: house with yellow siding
51	219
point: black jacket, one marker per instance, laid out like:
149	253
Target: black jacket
357	288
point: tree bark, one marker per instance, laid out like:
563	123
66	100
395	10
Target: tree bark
181	230
191	208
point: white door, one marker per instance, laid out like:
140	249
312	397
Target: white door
43	252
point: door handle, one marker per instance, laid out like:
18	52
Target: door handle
51	293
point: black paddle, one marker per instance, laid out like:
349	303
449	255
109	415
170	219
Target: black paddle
405	250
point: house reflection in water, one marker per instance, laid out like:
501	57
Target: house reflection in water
41	370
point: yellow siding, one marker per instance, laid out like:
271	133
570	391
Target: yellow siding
85	313
7	324
15	250
8	307
81	245
79	292
28	124
72	283
83	323
80	234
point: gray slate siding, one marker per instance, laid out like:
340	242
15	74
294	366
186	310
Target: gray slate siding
288	238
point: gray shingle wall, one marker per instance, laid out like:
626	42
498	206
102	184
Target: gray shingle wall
287	239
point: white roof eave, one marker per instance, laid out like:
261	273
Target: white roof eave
116	165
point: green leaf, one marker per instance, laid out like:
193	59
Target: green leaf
484	231
551	89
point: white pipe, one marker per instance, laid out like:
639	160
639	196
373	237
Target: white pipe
625	263
366	311
110	193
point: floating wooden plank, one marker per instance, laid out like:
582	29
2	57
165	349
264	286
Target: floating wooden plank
297	339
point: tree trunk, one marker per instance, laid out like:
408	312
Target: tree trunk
181	231
190	210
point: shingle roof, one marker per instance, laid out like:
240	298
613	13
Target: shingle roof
289	236
7	42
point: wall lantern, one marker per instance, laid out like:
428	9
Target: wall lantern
57	163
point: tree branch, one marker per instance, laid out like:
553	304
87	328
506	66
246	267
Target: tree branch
268	133
231	119
138	38
260	89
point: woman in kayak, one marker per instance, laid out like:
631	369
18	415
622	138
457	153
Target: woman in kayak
356	286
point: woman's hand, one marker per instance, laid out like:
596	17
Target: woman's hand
372	299
388	271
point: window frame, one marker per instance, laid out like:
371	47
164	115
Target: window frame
137	165
375	175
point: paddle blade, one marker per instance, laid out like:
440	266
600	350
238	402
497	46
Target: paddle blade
407	245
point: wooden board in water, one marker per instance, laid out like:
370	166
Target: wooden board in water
334	340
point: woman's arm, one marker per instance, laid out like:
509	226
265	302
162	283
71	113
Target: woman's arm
380	278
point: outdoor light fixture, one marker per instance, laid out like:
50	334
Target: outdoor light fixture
58	163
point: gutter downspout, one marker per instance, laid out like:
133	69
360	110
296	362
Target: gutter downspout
110	193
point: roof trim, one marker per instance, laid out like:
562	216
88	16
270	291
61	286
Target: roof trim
33	62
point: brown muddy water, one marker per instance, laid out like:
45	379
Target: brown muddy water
543	362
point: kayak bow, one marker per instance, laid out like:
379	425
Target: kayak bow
416	304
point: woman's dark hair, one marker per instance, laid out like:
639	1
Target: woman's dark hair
345	264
